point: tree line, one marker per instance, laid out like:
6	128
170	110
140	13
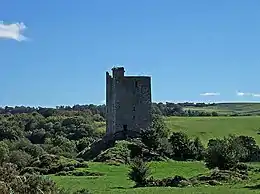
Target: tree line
164	109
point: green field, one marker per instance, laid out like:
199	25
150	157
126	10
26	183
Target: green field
212	127
230	108
116	181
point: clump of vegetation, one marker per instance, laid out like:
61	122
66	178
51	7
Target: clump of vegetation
185	148
12	182
177	146
120	153
225	153
79	173
139	172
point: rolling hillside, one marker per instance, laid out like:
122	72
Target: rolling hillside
230	108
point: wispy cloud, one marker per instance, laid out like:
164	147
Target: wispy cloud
210	94
243	94
12	31
247	94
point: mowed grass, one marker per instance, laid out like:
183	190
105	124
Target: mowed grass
215	127
115	180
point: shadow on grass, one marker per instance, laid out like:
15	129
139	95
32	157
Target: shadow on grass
253	187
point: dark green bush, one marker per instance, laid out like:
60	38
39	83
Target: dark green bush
185	148
81	165
62	173
27	184
139	172
4	152
224	153
252	148
78	173
150	138
82	191
20	158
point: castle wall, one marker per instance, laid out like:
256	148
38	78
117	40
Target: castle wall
129	103
108	102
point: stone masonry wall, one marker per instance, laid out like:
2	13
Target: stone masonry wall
128	103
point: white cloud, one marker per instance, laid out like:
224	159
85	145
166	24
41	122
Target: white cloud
210	94
243	94
247	94
256	95
12	31
103	102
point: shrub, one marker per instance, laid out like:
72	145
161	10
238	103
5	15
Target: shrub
198	149
20	158
165	147
252	148
12	182
4	151
86	173
81	165
180	143
84	143
62	173
224	153
82	191
139	172
185	148
150	138
159	126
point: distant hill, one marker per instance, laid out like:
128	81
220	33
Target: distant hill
228	108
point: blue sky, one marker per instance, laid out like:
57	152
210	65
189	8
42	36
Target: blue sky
57	52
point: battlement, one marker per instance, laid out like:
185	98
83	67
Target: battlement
118	72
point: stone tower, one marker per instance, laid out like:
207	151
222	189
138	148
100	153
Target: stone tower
128	102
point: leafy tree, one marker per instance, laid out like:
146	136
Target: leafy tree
4	152
181	145
224	153
199	149
252	148
150	138
165	147
159	126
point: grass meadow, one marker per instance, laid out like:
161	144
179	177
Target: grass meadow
115	179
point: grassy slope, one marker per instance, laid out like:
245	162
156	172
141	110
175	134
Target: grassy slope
231	108
212	127
116	181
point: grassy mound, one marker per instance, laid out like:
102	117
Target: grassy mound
124	151
120	153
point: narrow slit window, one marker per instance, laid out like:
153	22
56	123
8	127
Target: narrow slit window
136	84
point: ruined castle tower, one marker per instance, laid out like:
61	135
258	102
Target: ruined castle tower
128	103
